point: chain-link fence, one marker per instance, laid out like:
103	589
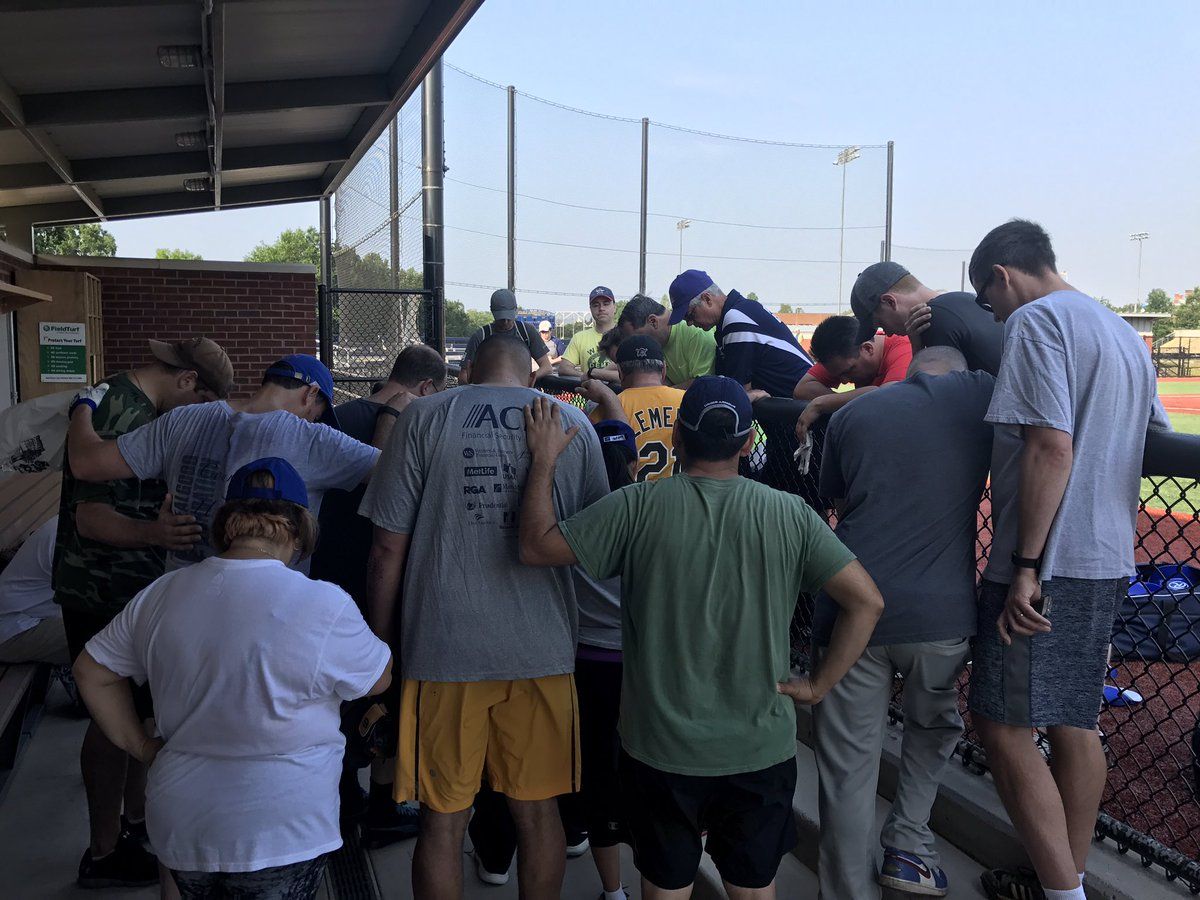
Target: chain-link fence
370	327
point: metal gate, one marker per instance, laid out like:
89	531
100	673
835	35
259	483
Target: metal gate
361	331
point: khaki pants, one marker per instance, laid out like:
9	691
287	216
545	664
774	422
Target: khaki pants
45	642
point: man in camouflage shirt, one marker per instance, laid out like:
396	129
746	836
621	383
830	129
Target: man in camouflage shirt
112	542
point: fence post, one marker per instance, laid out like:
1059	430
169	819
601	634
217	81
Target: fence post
645	182
433	210
324	288
512	188
887	224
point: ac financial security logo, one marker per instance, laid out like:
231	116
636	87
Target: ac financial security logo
485	416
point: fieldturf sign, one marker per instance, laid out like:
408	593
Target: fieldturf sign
62	352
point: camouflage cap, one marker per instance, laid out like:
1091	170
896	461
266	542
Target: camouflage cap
203	356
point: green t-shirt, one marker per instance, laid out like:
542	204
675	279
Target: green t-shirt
584	350
706	613
690	353
89	575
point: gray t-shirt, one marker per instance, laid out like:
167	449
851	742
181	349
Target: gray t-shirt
1072	365
520	332
196	449
452	477
910	461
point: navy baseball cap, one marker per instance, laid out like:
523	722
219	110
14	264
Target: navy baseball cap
614	431
638	346
713	392
686	287
309	370
289	485
601	291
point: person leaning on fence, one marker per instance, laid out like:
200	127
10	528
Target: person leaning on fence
505	323
644	402
886	295
486	645
708	729
195	449
688	352
907	507
842	359
341	558
113	540
1073	400
584	352
249	662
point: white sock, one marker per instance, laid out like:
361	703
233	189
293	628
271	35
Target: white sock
1072	894
1082	875
618	894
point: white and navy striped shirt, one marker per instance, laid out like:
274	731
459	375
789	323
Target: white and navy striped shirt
755	348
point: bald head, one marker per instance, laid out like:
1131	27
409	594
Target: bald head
937	361
501	359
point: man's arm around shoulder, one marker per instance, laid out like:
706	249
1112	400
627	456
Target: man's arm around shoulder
93	458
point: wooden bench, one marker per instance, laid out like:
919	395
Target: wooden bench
21	686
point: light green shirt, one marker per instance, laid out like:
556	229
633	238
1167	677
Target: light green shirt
690	353
584	350
706	614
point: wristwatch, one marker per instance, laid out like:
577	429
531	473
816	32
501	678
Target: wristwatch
1026	562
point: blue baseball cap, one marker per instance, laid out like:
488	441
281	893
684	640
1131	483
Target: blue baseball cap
713	392
289	485
614	431
309	370
686	287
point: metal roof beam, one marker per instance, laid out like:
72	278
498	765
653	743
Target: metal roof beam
215	23
190	102
12	109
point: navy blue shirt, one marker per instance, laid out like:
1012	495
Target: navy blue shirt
755	348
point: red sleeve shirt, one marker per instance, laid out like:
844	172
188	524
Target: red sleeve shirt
893	365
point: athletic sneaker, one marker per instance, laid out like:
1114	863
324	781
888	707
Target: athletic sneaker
909	873
388	822
1012	884
129	865
136	831
496	878
577	844
624	890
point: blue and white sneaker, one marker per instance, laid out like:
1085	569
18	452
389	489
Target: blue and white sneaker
909	873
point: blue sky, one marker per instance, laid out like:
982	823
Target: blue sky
1080	116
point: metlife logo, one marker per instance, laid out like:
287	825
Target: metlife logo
479	471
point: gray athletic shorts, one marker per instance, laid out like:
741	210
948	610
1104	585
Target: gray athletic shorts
1048	679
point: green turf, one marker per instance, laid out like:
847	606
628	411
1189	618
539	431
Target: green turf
1191	386
1168	495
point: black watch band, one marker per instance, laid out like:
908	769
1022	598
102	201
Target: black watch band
394	413
1026	562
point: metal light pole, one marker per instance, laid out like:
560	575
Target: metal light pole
844	159
682	224
1139	236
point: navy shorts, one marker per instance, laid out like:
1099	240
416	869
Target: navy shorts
1048	679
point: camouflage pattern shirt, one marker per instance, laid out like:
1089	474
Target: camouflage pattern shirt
91	576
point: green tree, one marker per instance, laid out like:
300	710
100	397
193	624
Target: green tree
74	240
1158	301
1184	316
783	307
753	296
295	245
165	253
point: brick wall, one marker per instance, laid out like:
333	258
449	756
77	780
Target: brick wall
257	316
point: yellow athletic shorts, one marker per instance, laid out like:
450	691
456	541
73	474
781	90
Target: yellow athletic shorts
525	732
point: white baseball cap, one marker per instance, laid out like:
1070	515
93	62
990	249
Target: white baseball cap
545	325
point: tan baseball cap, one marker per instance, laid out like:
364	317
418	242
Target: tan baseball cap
203	356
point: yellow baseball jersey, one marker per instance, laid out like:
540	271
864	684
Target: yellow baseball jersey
651	415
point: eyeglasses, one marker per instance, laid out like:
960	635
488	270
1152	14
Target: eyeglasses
981	293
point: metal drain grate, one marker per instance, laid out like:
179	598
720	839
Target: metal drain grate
349	873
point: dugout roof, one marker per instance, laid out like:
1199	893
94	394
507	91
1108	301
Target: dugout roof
120	108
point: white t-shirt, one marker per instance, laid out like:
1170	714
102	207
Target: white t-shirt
248	662
26	597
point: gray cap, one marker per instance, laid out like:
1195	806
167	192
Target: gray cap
504	304
873	281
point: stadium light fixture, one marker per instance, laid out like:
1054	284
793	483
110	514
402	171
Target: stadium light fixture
682	224
847	156
1140	237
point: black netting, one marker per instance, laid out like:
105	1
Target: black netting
370	327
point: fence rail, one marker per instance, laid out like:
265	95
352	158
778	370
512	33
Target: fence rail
1151	803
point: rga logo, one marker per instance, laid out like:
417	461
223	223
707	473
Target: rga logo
468	452
479	471
484	414
475	489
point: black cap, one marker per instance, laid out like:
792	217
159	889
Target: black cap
638	346
872	282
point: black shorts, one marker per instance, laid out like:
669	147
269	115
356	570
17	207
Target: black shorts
598	686
81	627
748	817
